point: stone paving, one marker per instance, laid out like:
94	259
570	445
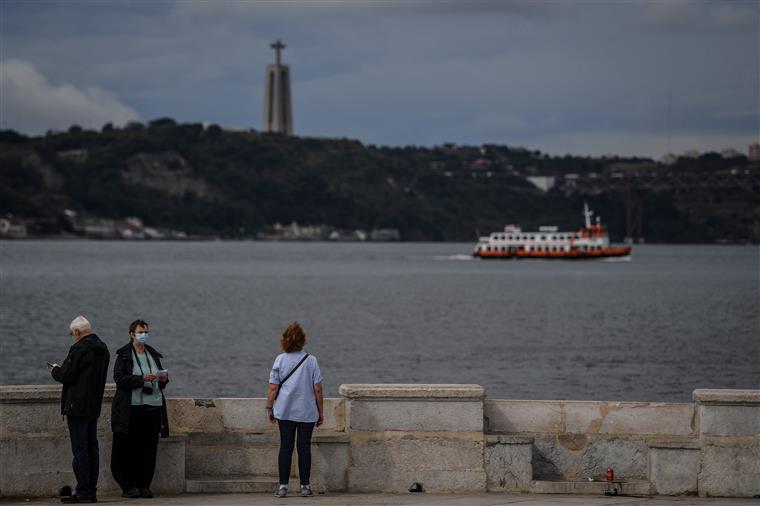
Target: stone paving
421	499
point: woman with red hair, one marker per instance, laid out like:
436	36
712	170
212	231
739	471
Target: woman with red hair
295	402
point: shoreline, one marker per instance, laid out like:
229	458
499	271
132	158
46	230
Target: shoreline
198	239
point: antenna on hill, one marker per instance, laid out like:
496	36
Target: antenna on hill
670	101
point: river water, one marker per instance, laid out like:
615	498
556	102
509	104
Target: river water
672	319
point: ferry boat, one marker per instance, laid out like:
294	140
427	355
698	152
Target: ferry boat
590	241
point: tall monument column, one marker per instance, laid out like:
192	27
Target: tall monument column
278	110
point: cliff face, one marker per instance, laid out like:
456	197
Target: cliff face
232	184
166	172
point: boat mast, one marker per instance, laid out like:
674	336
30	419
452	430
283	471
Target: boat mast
587	215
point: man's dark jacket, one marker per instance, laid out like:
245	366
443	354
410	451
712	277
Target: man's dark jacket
83	375
125	383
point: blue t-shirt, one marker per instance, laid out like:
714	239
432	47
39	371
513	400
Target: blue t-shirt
296	401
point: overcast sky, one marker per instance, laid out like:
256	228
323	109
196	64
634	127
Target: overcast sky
563	76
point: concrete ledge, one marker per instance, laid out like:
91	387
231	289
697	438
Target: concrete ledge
413	391
238	485
508	440
259	438
675	445
238	414
588	487
434	481
384	437
727	396
590	417
28	394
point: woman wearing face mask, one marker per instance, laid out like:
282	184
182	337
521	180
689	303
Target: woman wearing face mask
138	412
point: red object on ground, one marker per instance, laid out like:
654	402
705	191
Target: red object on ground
610	474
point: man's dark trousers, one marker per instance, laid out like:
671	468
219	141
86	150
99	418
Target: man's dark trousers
84	446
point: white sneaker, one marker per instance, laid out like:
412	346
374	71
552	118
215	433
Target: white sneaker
282	491
306	491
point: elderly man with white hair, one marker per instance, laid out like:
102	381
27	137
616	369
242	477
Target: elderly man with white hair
83	375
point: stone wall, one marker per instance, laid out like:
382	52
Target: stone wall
449	438
401	434
729	442
572	443
35	454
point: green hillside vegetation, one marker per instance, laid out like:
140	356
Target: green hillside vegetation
209	181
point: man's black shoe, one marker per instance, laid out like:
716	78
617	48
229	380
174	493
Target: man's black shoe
146	493
132	493
75	499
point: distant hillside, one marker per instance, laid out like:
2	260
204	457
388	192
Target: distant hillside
209	181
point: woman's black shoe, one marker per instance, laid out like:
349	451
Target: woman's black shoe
146	493
132	493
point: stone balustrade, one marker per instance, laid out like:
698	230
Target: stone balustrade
449	438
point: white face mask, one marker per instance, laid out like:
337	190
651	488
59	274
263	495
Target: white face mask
141	337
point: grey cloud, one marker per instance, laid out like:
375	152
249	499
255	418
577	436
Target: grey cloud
300	8
32	104
419	72
695	15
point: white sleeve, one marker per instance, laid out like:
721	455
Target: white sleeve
274	374
316	374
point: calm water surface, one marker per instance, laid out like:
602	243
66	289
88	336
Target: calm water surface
672	319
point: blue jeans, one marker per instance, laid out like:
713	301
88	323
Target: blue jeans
84	446
288	430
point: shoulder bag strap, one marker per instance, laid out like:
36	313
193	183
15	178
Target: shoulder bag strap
290	374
